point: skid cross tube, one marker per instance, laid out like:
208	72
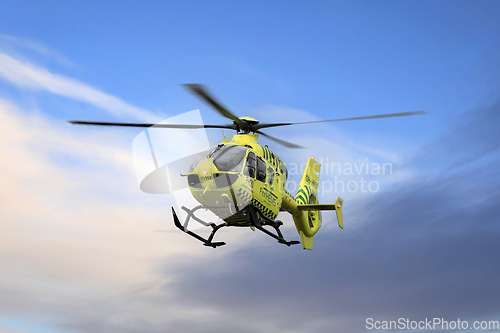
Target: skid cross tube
206	242
190	215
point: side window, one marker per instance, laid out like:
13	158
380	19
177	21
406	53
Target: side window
250	166
271	175
261	170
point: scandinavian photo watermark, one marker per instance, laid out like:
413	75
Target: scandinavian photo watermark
430	324
340	171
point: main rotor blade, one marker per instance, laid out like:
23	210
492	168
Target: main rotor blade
101	123
387	115
281	142
200	91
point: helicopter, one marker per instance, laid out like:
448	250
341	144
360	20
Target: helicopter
243	182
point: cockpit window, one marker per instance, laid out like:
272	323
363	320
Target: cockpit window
261	170
229	158
271	175
250	166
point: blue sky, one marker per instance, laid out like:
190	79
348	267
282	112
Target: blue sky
78	241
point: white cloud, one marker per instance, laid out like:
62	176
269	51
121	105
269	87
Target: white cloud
29	76
76	233
10	42
48	206
77	230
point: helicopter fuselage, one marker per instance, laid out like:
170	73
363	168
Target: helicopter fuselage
241	175
238	173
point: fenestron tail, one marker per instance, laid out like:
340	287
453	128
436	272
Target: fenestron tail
305	209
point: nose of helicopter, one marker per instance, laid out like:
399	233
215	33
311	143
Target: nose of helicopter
206	175
206	170
216	190
202	176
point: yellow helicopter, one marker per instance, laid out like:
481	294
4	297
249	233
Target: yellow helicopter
243	182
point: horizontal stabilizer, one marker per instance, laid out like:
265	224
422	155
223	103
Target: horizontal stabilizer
317	207
337	207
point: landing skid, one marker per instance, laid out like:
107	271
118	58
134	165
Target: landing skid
256	218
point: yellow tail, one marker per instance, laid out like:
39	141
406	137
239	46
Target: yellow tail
307	193
305	209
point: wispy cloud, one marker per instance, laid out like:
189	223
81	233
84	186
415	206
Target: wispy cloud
28	76
75	228
78	253
27	44
84	262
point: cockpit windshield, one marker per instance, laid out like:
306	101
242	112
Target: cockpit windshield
229	158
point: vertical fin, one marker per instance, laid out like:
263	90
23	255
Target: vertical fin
338	210
307	242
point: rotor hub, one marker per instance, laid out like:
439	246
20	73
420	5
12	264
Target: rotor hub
249	121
